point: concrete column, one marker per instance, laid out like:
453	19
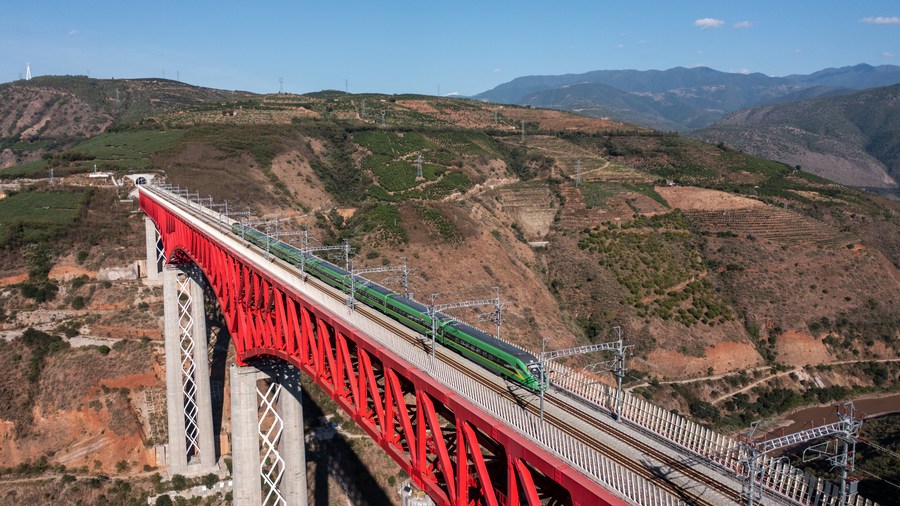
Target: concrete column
151	237
176	453
208	461
291	447
245	435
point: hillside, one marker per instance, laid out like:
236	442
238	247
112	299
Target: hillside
679	98
48	113
853	139
713	262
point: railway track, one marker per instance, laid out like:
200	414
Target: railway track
658	474
654	474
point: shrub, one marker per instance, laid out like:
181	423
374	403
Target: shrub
78	302
179	482
103	349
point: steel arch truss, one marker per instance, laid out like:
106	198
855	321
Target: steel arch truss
452	449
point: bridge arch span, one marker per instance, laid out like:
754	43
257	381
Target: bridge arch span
450	447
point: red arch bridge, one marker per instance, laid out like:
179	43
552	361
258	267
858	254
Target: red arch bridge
462	434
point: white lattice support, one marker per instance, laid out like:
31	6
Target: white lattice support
267	437
270	427
176	452
191	447
206	442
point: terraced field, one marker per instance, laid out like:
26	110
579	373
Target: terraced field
770	223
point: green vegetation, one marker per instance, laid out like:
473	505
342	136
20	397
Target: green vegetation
527	165
381	222
657	259
126	149
338	171
38	216
41	345
393	154
34	168
441	228
884	432
596	194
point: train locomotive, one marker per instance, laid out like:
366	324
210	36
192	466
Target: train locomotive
495	355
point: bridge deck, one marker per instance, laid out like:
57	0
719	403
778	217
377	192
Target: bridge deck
582	436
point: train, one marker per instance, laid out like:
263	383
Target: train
500	357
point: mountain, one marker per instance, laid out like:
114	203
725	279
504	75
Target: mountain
61	110
857	77
711	261
679	98
853	139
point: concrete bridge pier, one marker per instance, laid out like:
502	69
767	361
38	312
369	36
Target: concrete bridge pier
191	449
155	255
267	445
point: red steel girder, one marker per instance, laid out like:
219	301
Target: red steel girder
395	403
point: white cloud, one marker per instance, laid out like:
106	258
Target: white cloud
73	33
887	54
496	71
708	23
881	20
742	24
798	50
742	71
619	46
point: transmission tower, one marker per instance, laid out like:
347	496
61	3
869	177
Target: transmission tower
578	172
382	117
28	71
496	117
419	175
523	130
281	86
51	176
839	451
362	113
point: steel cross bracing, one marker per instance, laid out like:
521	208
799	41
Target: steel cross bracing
270	427
189	385
354	359
451	447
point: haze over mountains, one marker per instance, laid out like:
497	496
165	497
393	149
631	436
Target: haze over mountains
852	139
820	121
681	98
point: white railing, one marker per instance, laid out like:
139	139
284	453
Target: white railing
777	475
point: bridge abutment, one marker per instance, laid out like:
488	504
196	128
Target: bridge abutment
267	445
191	448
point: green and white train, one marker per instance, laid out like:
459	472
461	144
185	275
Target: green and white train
502	358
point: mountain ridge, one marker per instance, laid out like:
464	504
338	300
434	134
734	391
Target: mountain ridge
851	138
708	93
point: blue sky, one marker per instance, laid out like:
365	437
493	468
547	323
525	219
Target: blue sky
425	47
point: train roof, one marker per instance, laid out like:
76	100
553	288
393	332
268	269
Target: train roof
513	350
